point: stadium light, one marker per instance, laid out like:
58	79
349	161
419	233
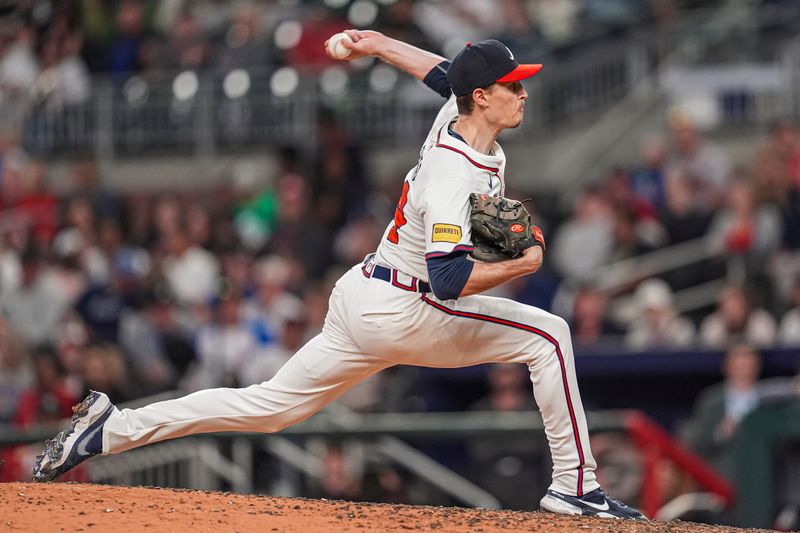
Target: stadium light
136	90
382	79
284	81
334	81
236	83
185	85
362	13
288	34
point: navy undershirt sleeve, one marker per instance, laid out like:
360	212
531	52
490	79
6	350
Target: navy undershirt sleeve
436	79
448	274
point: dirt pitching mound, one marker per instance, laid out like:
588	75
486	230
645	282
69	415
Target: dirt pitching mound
77	507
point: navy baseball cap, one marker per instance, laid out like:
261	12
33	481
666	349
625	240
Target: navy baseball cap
484	63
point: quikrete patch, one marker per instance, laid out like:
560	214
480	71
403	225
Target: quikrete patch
446	233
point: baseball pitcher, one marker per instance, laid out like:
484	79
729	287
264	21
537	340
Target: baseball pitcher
415	301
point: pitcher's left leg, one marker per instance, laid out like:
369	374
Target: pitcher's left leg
483	329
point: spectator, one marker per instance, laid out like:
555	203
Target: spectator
13	161
719	409
736	320
357	239
191	272
747	235
35	308
743	227
657	324
705	164
633	237
399	24
86	182
789	332
590	325
46	401
297	237
130	263
77	241
103	305
244	43
225	346
618	189
49	399
47	87
257	210
237	272
272	303
557	20
584	242
97	23
19	67
198	226
682	217
72	338
74	84
648	182
168	217
10	268
16	372
187	47
158	345
271	358
104	369
340	187
777	168
123	54
457	21
37	204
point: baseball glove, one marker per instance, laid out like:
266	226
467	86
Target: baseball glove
501	228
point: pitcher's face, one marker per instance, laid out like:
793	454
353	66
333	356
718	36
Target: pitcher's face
506	103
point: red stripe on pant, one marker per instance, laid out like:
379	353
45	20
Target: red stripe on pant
544	335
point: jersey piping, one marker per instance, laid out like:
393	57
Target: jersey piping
440	144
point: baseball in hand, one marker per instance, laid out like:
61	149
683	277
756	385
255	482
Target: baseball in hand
335	46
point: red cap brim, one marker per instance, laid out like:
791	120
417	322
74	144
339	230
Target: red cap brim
521	72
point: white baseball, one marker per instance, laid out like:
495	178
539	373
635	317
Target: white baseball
336	47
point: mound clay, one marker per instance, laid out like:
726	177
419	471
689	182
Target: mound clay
77	507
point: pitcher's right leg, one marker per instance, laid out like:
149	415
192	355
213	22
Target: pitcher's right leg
316	375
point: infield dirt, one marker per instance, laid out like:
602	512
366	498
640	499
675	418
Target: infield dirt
71	507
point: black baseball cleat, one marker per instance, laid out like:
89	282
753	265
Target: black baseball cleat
82	439
595	503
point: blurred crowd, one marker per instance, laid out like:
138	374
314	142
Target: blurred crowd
142	292
687	190
139	293
144	36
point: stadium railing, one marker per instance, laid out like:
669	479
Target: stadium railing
207	112
198	462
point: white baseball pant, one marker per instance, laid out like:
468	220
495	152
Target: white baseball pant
371	325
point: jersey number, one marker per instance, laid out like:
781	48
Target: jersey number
399	217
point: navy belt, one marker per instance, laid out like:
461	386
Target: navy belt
371	270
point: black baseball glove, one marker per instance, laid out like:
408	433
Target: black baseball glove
501	228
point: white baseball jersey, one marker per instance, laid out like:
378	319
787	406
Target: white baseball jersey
432	216
372	325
